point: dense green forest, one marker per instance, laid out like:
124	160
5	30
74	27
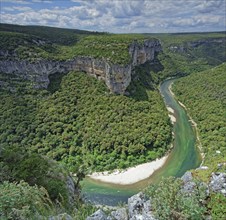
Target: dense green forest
83	122
204	95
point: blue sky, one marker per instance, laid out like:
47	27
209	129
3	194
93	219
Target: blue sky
119	16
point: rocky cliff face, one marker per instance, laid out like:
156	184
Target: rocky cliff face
117	77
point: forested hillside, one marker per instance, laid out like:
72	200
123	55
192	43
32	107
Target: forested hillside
35	43
204	95
83	122
188	53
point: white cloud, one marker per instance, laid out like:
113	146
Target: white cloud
123	15
42	1
22	8
17	1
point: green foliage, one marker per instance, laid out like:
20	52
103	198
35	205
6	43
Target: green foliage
169	202
19	165
186	53
81	121
60	36
21	201
112	47
217	206
33	43
204	96
25	46
82	211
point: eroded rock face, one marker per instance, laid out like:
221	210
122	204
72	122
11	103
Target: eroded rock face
218	183
141	53
117	77
139	208
119	214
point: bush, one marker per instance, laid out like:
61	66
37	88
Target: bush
34	169
21	201
169	202
217	206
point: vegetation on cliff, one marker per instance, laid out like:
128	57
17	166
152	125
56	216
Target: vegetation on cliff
63	44
34	187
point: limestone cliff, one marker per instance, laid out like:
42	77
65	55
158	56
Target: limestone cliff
117	77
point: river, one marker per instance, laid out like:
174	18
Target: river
184	156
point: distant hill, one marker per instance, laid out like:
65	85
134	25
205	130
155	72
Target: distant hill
55	35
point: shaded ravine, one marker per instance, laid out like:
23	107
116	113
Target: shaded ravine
184	156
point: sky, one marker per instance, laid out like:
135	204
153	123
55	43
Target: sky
118	16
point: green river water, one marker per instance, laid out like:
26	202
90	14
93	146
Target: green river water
184	156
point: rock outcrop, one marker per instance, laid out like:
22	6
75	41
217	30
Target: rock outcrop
139	207
218	183
98	215
117	77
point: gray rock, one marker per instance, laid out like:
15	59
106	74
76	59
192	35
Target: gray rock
116	77
119	214
140	208
218	183
63	216
98	215
72	191
188	183
187	177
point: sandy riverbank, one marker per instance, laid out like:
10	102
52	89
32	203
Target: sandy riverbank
172	117
130	175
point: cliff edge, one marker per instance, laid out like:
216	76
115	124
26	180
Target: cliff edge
117	77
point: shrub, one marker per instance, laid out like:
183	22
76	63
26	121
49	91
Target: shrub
217	206
21	201
169	202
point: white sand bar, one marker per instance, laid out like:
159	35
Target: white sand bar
170	109
172	118
130	175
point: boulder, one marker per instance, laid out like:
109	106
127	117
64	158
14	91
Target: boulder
120	214
188	183
218	183
139	208
98	215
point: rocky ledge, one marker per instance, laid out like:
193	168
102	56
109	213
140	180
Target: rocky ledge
117	77
139	207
